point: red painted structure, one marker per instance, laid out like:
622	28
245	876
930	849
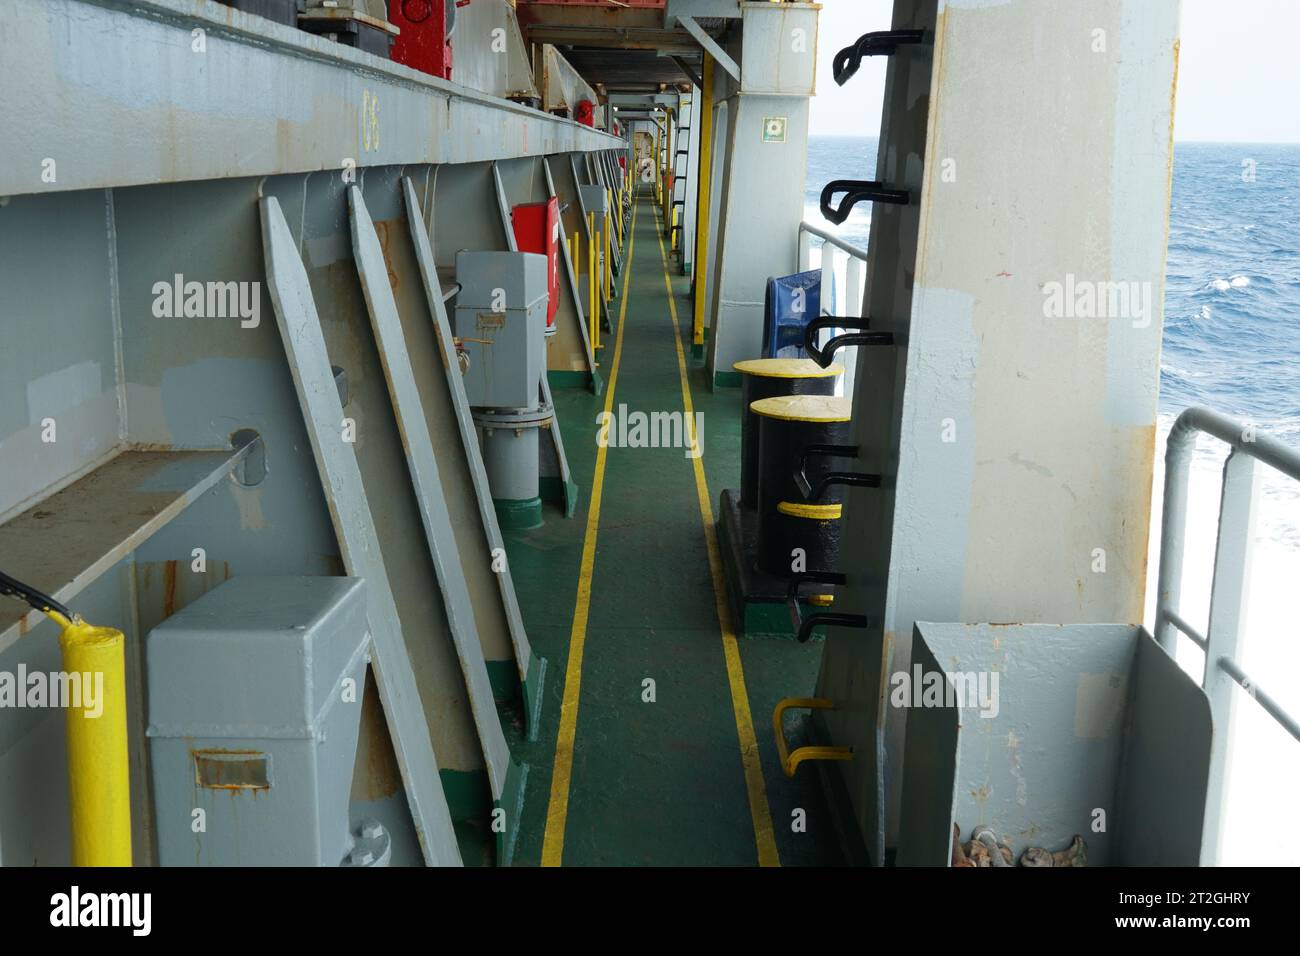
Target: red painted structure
422	44
537	229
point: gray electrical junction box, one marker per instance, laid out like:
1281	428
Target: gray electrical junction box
501	324
255	694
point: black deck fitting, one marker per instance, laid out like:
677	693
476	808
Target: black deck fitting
856	191
823	355
803	626
881	43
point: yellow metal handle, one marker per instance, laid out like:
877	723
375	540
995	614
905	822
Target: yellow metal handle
99	785
790	761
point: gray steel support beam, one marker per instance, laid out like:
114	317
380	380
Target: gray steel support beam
723	58
689	71
304	343
675	10
422	463
169	90
482	549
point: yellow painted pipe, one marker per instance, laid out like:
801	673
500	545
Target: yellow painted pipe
703	176
593	303
609	258
99	783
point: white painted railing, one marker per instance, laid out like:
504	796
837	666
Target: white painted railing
1231	585
838	298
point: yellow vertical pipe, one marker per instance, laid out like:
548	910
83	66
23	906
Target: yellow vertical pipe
609	258
99	784
705	174
618	215
593	302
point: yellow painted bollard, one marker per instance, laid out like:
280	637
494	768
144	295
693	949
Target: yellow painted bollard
673	231
99	784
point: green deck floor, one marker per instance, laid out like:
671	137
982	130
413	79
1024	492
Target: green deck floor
657	783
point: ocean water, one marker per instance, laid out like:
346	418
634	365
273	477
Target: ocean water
1231	343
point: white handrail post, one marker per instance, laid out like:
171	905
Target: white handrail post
1228	596
805	250
828	293
828	279
854	293
1173	532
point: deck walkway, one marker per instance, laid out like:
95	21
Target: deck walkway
624	593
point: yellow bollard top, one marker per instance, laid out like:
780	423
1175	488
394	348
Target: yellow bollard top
786	368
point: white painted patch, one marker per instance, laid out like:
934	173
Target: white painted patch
1022	787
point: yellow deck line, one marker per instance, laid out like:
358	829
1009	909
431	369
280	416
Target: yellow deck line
557	809
764	836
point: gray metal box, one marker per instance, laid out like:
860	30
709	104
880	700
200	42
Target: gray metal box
501	322
250	721
1089	729
595	199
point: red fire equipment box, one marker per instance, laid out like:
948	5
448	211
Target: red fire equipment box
423	43
537	229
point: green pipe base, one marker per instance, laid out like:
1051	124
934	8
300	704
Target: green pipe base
514	515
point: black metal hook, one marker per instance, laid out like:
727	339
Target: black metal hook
880	43
822	355
858	190
813	492
803	626
37	599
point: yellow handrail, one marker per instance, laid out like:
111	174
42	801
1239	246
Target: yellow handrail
790	760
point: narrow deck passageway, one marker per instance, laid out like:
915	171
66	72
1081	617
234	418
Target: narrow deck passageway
661	722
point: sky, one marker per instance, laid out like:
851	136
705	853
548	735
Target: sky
1238	75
